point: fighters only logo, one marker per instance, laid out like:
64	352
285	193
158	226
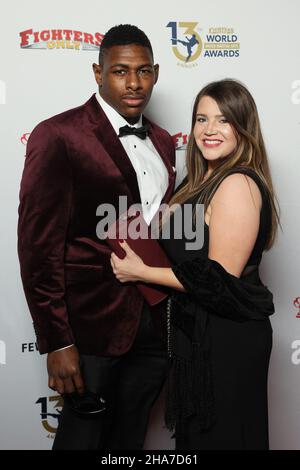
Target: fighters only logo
180	140
60	39
24	138
296	303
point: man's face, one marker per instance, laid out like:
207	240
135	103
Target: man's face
126	79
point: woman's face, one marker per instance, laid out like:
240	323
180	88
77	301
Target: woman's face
214	136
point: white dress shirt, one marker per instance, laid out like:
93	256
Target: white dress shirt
152	174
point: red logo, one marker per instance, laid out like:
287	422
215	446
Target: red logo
180	141
297	305
25	137
60	39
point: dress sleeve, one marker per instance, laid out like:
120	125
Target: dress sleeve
223	294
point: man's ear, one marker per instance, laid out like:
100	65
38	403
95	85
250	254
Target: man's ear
98	73
156	72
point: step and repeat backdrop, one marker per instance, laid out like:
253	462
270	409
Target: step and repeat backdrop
47	51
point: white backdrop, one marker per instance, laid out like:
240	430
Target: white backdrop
261	48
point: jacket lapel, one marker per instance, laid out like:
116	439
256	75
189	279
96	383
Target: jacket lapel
110	141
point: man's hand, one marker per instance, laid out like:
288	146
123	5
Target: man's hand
64	371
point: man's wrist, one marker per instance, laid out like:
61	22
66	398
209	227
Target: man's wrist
65	347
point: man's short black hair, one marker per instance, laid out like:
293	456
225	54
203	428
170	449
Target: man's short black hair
122	35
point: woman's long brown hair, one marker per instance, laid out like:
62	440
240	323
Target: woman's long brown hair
239	109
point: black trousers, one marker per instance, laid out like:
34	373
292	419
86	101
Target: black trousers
130	384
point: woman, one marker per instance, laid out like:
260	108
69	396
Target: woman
219	333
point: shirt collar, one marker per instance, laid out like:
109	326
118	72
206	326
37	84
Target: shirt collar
114	117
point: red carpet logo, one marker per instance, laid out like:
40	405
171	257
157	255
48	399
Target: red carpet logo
296	303
25	137
60	39
180	140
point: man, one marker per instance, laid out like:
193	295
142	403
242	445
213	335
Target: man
98	333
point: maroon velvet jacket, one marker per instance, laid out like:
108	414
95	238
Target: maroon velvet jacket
75	162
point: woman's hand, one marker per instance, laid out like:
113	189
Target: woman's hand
131	268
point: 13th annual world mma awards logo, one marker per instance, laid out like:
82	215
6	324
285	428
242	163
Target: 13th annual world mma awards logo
188	46
60	39
185	40
50	412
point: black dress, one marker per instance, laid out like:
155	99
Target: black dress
239	350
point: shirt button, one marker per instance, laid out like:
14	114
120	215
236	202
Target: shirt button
135	146
144	172
147	202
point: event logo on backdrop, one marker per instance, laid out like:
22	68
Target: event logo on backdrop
185	40
296	303
2	92
180	140
50	412
60	39
189	42
24	138
29	347
2	352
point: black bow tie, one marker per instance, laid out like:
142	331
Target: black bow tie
140	132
